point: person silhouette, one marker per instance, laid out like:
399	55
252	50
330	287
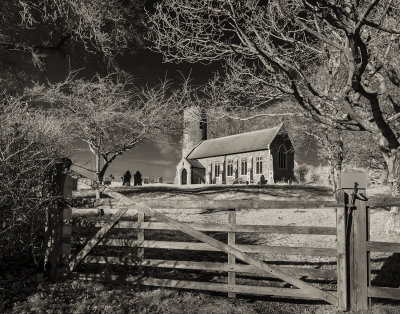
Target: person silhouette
137	178
127	178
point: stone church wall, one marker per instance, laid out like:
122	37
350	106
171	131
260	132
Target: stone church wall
183	164
192	130
286	173
238	177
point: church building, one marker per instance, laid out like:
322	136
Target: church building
257	157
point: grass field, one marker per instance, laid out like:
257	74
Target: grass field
24	293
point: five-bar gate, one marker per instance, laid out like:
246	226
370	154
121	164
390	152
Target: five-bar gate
352	250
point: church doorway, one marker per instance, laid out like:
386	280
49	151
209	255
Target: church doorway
184	177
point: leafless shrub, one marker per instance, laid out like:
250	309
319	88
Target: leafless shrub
30	145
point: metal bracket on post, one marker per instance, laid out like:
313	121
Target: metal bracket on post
354	181
354	196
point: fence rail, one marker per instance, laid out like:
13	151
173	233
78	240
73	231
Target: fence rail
374	246
209	266
384	293
227	228
198	246
205	286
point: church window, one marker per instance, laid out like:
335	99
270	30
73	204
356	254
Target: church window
217	169
259	165
282	162
229	169
244	167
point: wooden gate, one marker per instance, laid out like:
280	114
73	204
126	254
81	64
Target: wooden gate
234	251
354	288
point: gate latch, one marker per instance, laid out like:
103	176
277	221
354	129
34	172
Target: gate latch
354	196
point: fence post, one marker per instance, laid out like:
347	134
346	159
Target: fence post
231	258
354	185
342	272
66	234
61	187
140	251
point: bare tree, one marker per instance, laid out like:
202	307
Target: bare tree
109	114
337	59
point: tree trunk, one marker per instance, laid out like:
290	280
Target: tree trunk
393	163
98	174
339	161
335	157
332	177
335	166
98	184
336	176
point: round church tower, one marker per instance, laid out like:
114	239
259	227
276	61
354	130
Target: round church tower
194	129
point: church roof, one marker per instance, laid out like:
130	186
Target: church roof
234	144
195	163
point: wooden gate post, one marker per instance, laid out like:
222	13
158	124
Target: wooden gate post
140	235
342	256
58	225
66	235
354	185
231	258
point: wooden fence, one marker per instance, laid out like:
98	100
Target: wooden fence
352	271
231	267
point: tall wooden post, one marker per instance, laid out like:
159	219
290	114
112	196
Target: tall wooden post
354	185
56	229
140	236
98	165
66	235
231	258
342	256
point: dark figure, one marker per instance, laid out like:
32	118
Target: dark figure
263	180
137	178
126	179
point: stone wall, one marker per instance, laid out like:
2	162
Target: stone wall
183	164
238	177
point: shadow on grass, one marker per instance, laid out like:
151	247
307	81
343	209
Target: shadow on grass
18	279
389	274
273	190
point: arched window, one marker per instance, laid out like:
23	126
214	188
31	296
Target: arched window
217	169
244	167
184	176
259	165
229	168
282	161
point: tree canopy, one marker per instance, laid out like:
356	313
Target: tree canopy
337	60
38	28
109	113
